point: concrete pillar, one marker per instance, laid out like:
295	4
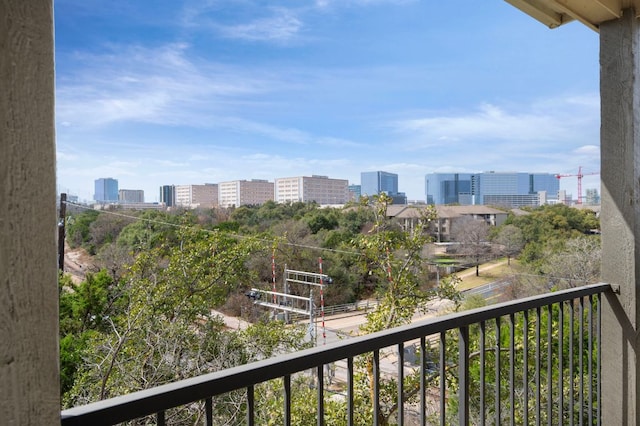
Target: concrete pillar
29	377
620	217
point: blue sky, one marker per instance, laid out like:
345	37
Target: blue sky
193	91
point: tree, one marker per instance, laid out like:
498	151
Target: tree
105	229
115	259
578	264
163	316
510	241
78	227
394	257
83	311
472	236
161	328
152	229
545	229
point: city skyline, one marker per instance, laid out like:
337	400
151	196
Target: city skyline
207	92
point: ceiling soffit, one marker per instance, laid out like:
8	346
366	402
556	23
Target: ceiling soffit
591	13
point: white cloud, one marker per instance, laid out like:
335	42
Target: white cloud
169	163
156	85
200	157
547	123
327	3
588	150
283	26
339	142
64	156
162	86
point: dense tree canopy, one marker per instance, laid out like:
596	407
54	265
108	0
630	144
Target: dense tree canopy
545	229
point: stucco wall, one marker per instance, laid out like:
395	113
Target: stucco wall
620	216
29	389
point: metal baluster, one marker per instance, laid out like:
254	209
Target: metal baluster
251	406
512	368
400	410
525	362
571	355
538	367
549	366
350	391
463	376
497	375
590	360
560	364
287	399
443	396
208	412
320	409
160	420
376	387
581	366
482	381
599	359
423	381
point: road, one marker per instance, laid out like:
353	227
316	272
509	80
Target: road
347	325
490	291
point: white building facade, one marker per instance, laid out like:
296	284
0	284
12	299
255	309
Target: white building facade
194	196
243	192
307	189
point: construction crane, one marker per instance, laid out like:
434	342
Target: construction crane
580	175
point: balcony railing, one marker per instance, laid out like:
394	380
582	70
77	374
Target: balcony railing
529	361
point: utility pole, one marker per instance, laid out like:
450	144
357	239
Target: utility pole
61	230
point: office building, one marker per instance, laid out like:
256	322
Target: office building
194	196
308	189
592	198
242	192
355	191
449	188
168	195
564	198
374	183
506	189
129	196
106	190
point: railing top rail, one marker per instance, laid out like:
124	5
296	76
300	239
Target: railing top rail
145	402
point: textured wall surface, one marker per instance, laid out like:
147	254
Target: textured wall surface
29	389
620	217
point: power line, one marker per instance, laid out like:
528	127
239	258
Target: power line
275	240
212	231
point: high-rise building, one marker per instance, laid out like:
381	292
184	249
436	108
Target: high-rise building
592	198
242	192
563	197
374	183
193	196
509	189
131	196
355	192
168	195
106	190
449	188
319	189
